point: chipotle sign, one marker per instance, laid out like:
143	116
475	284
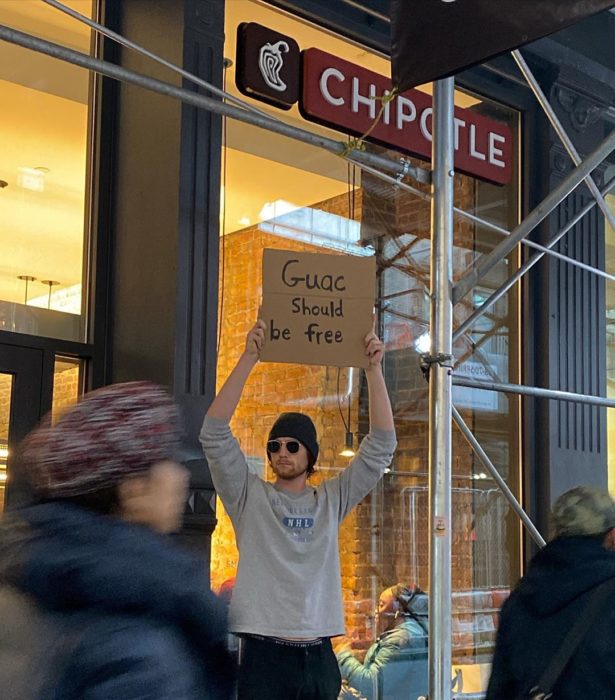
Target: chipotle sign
345	96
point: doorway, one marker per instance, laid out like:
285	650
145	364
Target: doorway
24	398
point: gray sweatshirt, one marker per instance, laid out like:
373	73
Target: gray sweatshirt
288	581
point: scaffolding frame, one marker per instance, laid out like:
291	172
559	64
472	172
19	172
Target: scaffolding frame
444	293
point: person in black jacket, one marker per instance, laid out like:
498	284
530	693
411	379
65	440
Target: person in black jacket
549	599
95	601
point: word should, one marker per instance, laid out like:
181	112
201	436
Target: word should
330	308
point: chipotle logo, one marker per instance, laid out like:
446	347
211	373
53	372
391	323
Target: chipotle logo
347	97
268	65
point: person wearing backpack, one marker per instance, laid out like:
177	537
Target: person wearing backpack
395	665
557	629
96	602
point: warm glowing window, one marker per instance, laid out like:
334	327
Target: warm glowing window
43	142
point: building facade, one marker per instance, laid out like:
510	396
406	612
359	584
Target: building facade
133	228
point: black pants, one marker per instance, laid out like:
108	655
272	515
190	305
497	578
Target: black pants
272	669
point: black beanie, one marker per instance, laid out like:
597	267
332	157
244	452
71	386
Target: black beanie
298	426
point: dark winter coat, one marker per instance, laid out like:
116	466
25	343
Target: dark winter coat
94	608
539	613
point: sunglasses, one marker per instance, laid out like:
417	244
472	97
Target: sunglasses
292	446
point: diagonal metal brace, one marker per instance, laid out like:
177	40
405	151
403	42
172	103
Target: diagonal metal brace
561	132
488	261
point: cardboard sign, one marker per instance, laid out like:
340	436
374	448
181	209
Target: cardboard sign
317	308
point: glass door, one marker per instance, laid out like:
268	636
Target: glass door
21	393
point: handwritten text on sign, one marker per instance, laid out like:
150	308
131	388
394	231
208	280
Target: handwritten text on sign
317	307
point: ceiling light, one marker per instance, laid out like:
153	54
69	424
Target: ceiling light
31	179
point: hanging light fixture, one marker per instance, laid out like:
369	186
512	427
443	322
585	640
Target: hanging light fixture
50	284
27	279
348	450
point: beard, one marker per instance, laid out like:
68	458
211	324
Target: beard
288	475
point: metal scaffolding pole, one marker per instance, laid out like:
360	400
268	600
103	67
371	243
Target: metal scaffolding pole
399	168
491	468
535	391
527	265
440	394
561	132
489	261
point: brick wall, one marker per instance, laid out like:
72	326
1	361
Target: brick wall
66	384
6	383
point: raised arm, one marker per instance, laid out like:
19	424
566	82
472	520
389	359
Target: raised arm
376	449
227	463
225	403
380	411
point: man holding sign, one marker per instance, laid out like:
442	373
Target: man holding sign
287	601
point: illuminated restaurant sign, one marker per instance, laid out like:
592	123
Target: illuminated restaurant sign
344	96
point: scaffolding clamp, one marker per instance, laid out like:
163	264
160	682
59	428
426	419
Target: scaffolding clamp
405	169
443	359
409	170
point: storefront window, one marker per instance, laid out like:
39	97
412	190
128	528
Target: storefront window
43	141
278	193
